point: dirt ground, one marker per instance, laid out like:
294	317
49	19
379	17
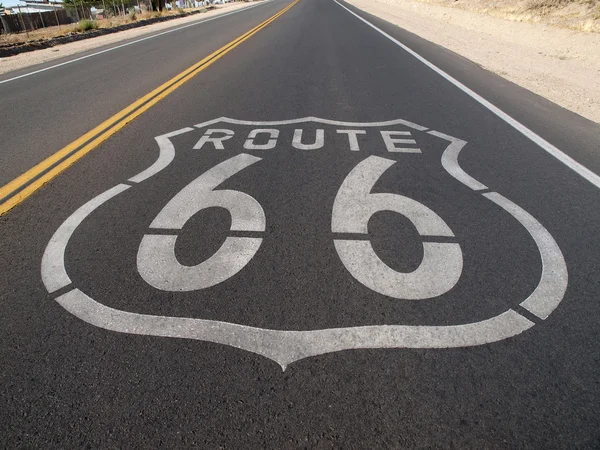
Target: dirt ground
555	62
580	15
51	32
24	60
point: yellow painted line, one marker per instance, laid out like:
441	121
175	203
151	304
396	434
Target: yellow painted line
49	168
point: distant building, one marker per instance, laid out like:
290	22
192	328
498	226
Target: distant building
34	6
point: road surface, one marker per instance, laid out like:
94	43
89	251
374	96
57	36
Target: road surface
329	234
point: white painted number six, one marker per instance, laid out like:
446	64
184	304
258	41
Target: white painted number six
354	205
156	259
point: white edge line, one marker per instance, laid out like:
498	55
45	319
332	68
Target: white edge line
555	278
313	119
450	162
545	145
54	273
133	42
287	346
165	156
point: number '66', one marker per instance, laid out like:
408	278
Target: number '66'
354	205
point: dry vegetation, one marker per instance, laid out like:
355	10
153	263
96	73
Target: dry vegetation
578	8
581	15
82	26
550	4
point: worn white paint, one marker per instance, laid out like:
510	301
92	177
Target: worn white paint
159	267
352	138
354	205
438	272
54	273
217	141
272	141
318	143
311	119
450	162
165	156
285	346
390	138
246	212
156	260
554	280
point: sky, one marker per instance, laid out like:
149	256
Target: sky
11	2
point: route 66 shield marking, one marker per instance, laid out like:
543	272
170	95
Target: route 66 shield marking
355	203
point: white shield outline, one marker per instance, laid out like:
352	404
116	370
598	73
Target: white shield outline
285	347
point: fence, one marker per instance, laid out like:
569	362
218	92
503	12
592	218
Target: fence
85	9
16	23
103	9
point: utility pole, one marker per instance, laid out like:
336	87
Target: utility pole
23	22
83	10
42	19
76	10
56	15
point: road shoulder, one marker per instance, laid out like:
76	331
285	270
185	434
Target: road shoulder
558	64
29	59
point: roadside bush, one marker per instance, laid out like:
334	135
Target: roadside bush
132	17
85	25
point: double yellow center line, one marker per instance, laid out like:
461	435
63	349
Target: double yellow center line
23	186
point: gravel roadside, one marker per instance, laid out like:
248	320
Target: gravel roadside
28	59
559	64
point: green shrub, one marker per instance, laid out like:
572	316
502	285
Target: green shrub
85	25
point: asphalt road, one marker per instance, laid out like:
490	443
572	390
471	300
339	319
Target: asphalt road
316	242
44	112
